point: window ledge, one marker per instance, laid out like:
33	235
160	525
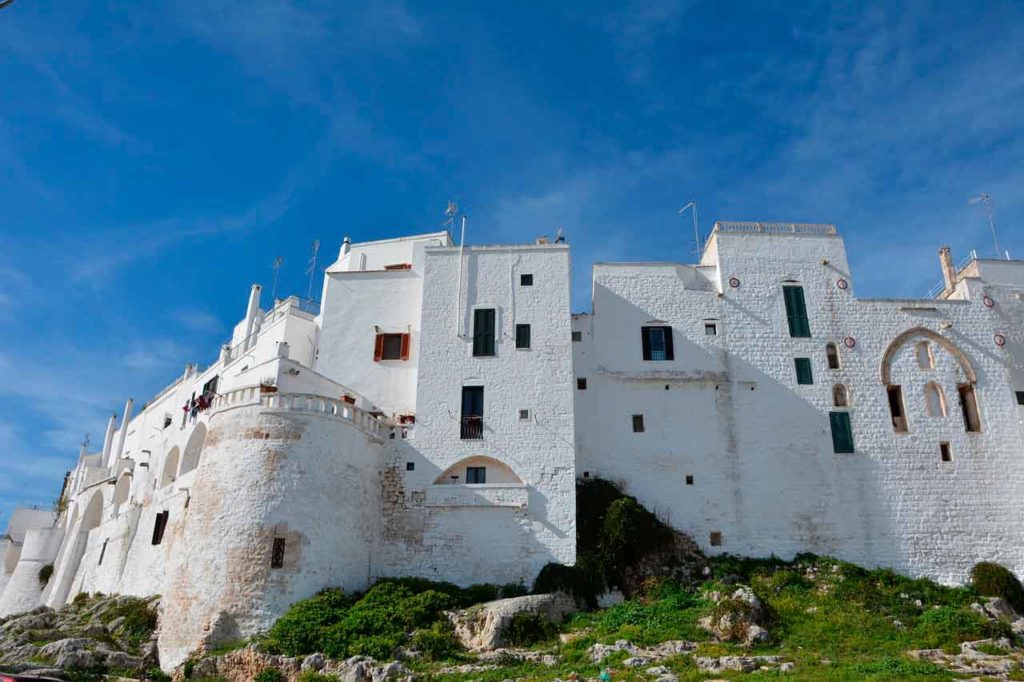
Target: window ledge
514	495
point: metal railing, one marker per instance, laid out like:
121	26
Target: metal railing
299	402
472	428
941	286
776	228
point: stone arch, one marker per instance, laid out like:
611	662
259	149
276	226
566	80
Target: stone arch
123	488
497	471
942	341
170	471
193	449
93	514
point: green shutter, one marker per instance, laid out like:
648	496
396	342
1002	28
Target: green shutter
483	331
842	432
803	371
796	311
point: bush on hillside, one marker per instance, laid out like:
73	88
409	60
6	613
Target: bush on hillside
993	580
436	643
269	675
529	628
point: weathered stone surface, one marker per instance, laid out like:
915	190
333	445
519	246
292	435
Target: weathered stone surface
971	661
738	618
483	627
744	664
675	647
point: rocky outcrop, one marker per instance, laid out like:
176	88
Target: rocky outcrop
738	617
638	656
483	627
243	665
976	658
113	633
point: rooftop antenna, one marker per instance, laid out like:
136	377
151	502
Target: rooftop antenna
278	262
311	270
985	199
696	231
450	213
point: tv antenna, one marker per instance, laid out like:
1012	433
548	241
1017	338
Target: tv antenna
311	270
985	199
696	230
450	213
278	262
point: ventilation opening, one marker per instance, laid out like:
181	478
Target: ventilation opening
581	384
715	538
638	423
159	526
899	417
277	553
969	407
945	452
689	479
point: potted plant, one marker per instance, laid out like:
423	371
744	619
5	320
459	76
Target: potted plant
268	385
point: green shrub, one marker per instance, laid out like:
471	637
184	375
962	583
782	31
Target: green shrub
993	580
156	675
301	629
895	668
313	676
269	675
951	625
45	573
438	642
529	628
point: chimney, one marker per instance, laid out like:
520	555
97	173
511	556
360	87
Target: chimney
948	269
346	246
250	314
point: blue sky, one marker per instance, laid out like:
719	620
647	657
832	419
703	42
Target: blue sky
155	157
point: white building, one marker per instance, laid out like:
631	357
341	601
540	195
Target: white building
432	418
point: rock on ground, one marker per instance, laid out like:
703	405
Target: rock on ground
483	627
243	665
739	617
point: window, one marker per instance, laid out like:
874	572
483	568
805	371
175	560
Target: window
945	452
899	417
477	475
638	423
277	553
522	336
581	384
103	553
577	336
689	479
840	398
472	412
842	432
483	332
715	538
657	343
410	466
391	347
803	371
159	526
934	401
796	311
710	329
526	280
524	414
832	355
1020	397
969	407
925	359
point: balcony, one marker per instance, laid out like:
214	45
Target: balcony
472	428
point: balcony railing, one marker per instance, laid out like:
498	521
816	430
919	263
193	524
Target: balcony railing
472	428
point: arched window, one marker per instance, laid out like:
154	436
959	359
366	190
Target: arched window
832	355
840	397
194	447
170	468
925	359
934	400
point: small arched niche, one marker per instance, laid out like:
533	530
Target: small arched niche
832	355
193	449
840	396
934	400
479	470
170	471
122	489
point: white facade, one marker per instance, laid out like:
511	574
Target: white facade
416	426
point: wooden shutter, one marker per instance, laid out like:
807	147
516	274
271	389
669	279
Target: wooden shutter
483	332
378	348
842	432
669	351
406	339
796	311
645	340
803	371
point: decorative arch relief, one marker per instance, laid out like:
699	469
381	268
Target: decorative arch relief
922	334
478	481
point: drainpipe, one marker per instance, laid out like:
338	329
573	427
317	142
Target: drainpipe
948	269
123	433
250	314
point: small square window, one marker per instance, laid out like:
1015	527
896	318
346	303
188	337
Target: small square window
577	336
277	554
392	347
689	479
526	280
524	414
638	423
945	452
581	384
522	336
410	466
1020	397
710	329
586	474
715	538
